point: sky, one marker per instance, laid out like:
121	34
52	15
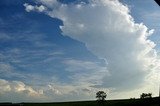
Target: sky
67	50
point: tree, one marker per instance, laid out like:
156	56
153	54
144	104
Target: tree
101	95
145	95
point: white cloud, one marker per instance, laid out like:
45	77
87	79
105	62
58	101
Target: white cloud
69	92
109	31
17	86
52	92
29	8
41	8
17	91
4	86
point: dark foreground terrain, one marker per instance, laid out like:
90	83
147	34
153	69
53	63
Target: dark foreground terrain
127	102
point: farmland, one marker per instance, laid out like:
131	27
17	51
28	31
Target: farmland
126	102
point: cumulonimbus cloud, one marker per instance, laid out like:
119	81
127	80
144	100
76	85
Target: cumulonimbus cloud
110	32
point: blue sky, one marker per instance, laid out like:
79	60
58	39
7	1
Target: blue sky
68	50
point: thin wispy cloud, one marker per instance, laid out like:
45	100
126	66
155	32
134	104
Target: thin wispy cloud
85	72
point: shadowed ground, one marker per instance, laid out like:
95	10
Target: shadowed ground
127	102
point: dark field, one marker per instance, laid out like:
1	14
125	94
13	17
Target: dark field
128	102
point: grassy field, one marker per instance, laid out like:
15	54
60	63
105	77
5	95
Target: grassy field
127	102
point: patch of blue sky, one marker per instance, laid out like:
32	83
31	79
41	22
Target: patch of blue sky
34	47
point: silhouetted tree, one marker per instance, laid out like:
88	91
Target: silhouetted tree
101	95
132	98
145	95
